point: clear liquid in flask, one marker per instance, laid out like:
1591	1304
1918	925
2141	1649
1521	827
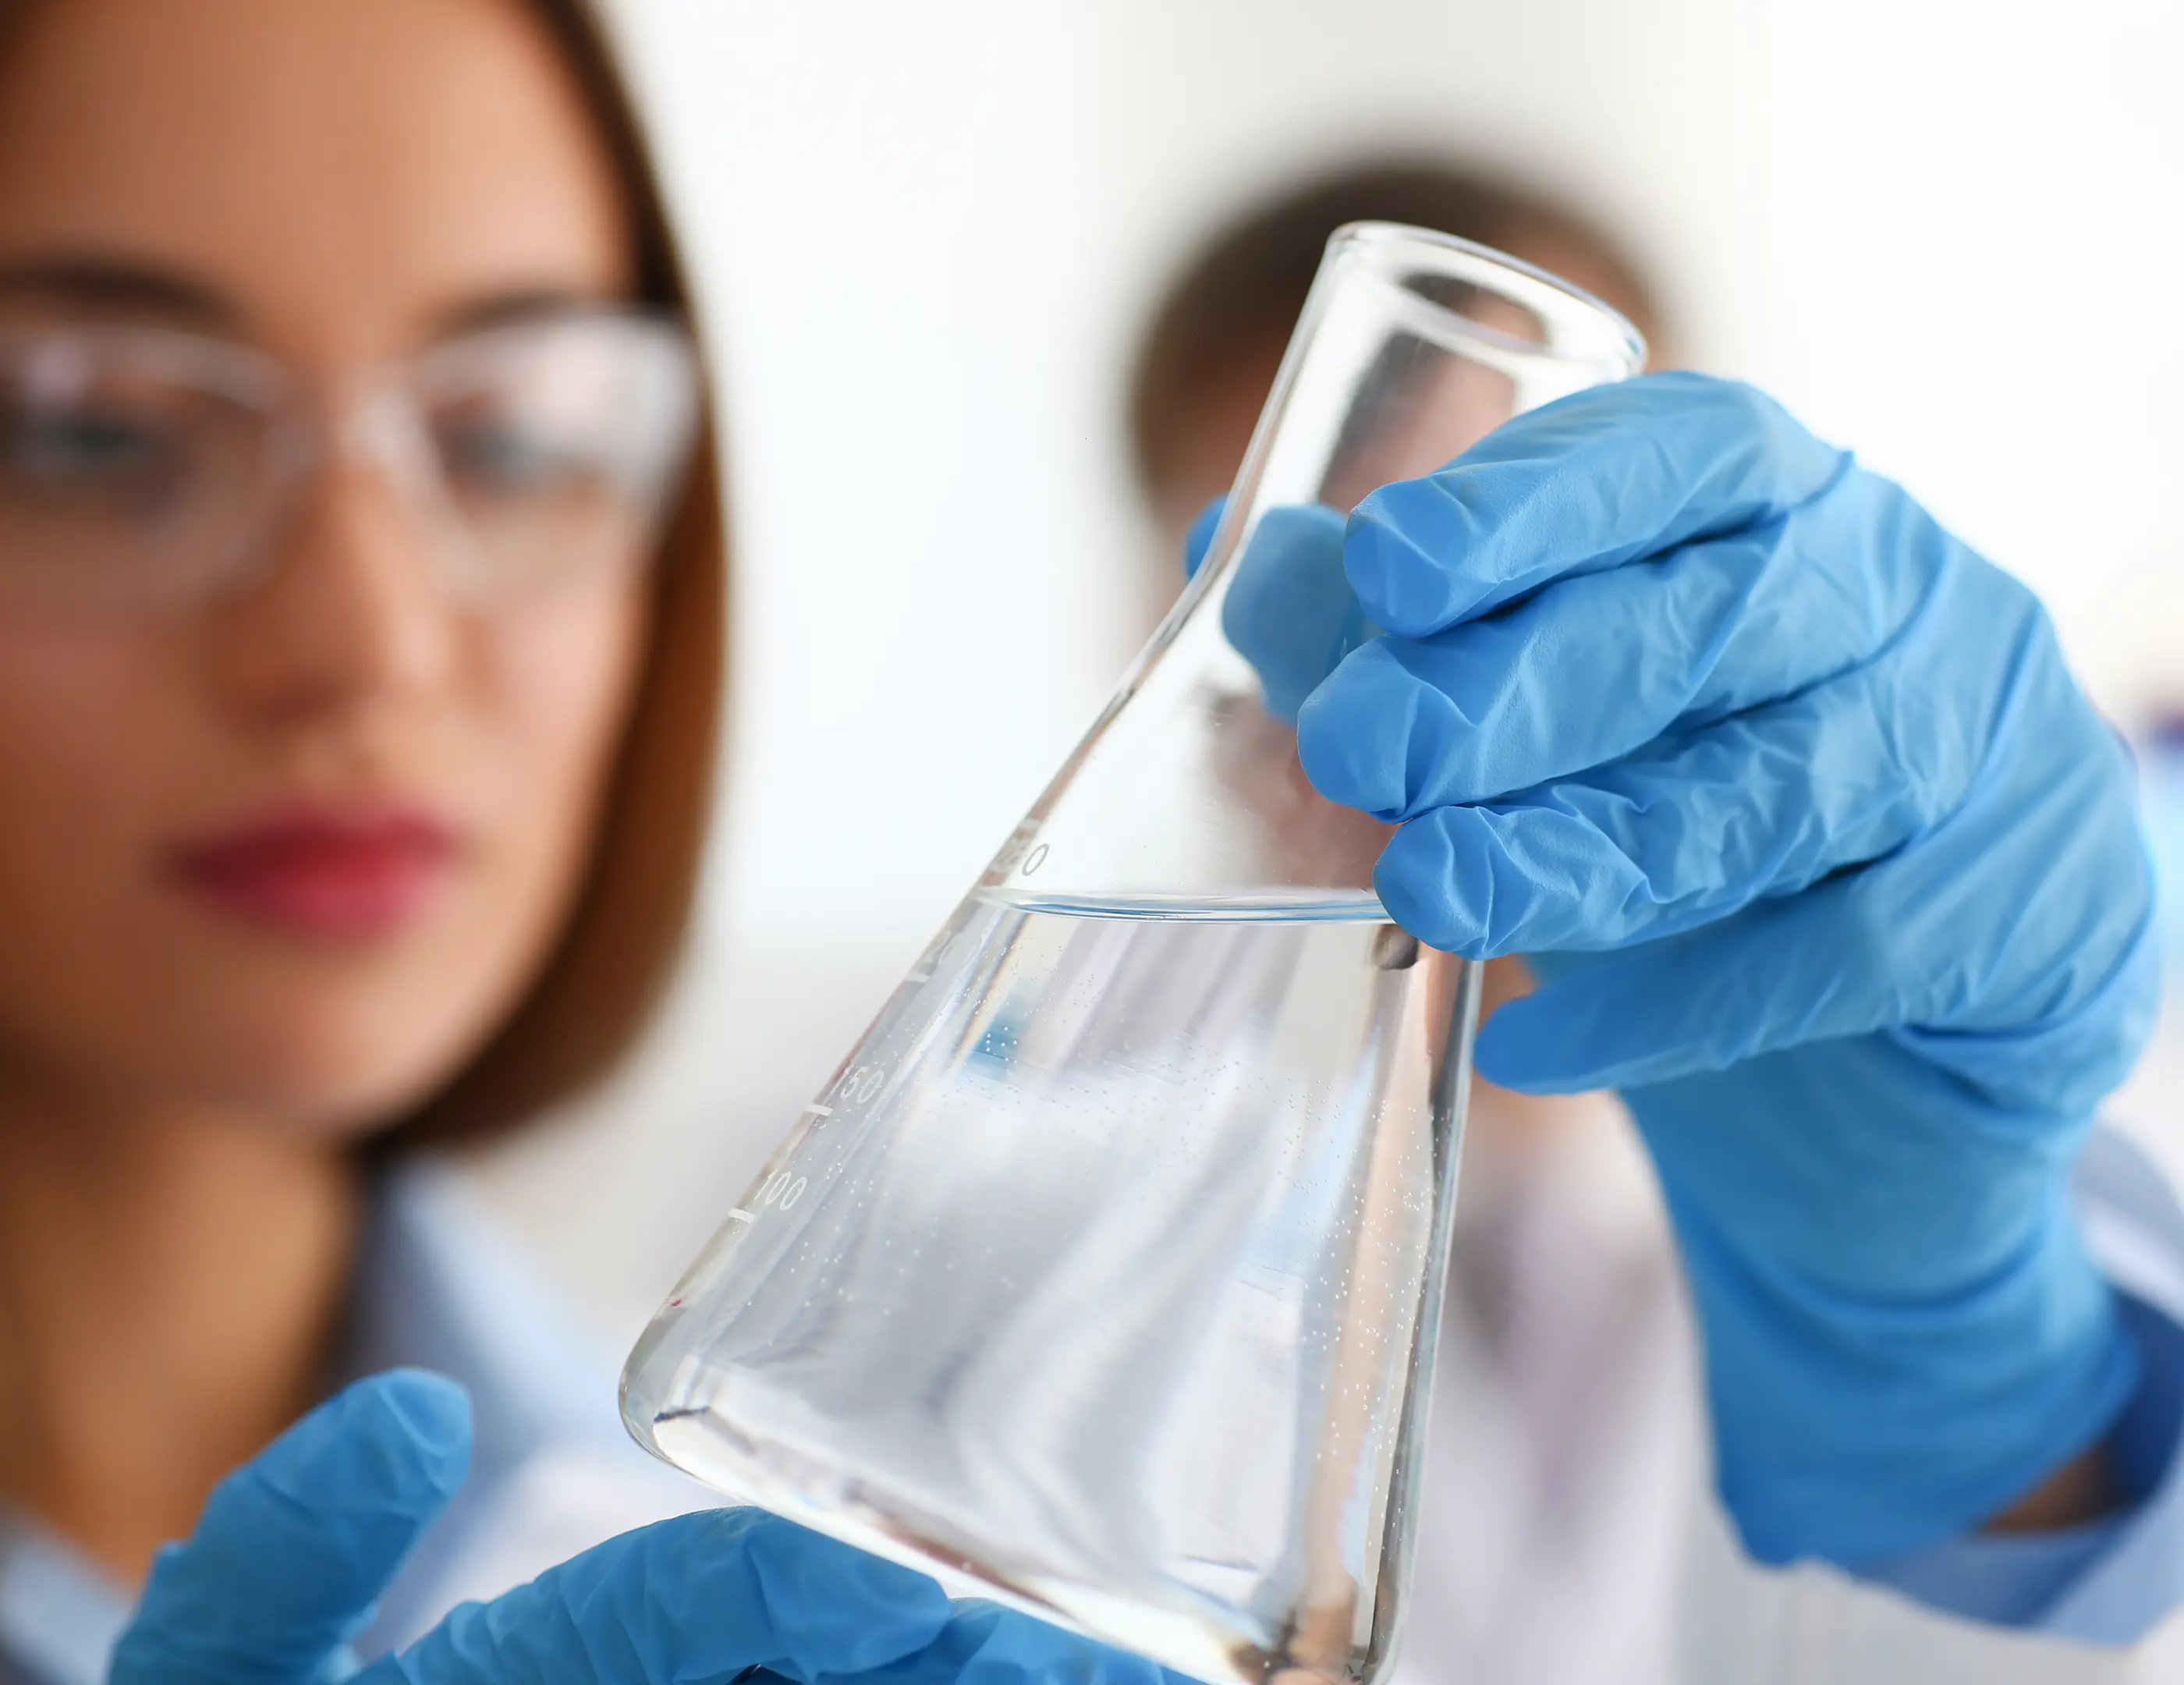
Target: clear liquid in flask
1104	1279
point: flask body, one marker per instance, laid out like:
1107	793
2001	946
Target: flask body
1105	1276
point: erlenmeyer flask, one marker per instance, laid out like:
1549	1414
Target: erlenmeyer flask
1103	1278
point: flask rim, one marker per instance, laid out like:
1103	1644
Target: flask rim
1577	325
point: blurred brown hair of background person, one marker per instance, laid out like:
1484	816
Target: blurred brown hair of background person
1209	353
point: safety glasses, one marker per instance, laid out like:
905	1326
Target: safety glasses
141	468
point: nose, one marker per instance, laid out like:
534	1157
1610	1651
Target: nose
348	618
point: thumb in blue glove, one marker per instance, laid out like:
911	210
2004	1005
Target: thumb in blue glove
295	1547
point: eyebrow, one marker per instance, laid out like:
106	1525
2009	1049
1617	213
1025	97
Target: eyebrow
116	283
524	303
121	284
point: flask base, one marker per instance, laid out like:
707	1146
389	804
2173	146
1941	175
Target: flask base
845	1507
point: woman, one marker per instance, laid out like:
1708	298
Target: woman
357	666
359	646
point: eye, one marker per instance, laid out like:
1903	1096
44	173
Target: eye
504	454
85	452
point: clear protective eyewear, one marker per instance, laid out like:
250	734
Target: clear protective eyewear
145	468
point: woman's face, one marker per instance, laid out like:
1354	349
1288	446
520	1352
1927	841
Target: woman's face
290	850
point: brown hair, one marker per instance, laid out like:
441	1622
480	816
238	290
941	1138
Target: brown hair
598	989
1241	292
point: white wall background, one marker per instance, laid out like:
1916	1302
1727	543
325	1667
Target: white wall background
1947	234
1978	231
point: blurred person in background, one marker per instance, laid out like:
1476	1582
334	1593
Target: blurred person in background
360	619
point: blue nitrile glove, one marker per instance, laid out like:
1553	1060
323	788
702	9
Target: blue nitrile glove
1823	860
294	1548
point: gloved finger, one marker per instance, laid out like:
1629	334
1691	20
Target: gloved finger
2043	1010
986	1645
295	1546
1690	828
1849	957
1290	610
701	1597
1585	483
1198	539
1589	669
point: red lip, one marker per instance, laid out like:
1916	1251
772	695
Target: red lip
339	874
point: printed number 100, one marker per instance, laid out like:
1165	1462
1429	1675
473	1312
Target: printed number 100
780	1192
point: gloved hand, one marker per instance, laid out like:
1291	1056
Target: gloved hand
1823	860
294	1548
